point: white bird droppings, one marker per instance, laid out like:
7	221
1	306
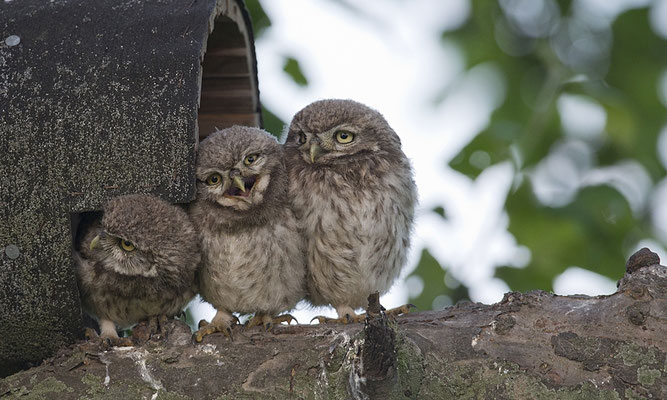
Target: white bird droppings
12	40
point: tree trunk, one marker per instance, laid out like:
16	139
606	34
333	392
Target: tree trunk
529	346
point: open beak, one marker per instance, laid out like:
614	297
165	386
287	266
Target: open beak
239	183
315	151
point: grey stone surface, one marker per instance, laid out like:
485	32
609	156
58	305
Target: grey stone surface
97	99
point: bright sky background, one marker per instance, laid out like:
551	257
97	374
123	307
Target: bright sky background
392	58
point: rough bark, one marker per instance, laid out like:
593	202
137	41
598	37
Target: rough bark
528	346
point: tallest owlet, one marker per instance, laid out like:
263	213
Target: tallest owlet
352	188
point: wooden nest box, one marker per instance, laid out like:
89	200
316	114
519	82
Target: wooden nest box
98	99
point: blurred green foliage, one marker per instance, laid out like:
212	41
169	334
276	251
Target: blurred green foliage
272	123
597	228
260	21
539	61
292	68
432	276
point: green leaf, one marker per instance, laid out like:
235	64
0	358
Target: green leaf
292	68
440	211
272	123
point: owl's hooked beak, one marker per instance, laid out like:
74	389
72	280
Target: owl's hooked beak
239	183
315	151
95	243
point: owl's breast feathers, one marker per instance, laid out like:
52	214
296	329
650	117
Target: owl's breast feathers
250	270
357	220
128	299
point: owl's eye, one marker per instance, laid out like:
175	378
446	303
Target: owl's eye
214	179
301	138
126	245
344	137
250	158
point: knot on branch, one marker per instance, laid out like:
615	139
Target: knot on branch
644	276
641	259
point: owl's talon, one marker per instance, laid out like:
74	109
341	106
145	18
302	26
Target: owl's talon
91	335
209	329
404	309
284	318
107	339
267	321
345	319
220	323
253	322
202	324
320	318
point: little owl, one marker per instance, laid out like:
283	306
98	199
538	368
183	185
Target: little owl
137	262
353	191
252	254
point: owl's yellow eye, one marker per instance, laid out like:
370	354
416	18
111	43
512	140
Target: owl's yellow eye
214	179
301	138
344	137
126	245
250	158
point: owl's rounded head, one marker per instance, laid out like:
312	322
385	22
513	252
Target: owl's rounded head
340	131
142	235
240	170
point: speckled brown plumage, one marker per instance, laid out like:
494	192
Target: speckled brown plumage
253	257
355	201
120	286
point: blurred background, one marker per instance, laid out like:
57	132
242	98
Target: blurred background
537	130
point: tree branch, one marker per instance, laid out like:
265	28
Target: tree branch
532	345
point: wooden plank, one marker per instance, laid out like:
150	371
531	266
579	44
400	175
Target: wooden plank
209	123
240	104
225	65
210	83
